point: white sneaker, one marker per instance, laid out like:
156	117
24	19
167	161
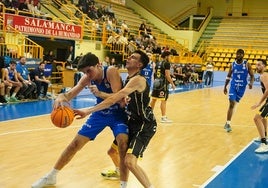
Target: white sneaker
45	181
263	148
258	139
165	120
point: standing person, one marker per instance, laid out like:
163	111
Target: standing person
141	121
41	81
69	57
162	79
106	80
23	75
260	118
12	82
238	74
209	73
147	72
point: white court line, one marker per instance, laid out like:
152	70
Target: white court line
33	130
164	124
225	166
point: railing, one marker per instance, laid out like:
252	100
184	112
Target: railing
16	44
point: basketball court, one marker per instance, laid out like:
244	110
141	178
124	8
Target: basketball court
193	151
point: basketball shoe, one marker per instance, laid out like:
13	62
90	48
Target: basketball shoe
227	127
258	139
45	181
110	174
263	148
164	119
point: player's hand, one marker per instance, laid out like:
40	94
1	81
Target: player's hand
225	91
255	106
94	90
80	114
60	101
250	86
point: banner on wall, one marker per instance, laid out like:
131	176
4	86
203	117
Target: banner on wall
42	27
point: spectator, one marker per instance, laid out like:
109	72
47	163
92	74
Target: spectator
69	57
2	85
11	81
28	89
41	81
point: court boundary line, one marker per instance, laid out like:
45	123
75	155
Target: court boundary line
225	166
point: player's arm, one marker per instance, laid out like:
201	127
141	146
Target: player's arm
66	97
251	74
113	77
137	83
7	78
228	78
168	77
264	80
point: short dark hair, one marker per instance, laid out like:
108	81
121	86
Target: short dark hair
13	62
263	61
87	60
241	51
144	59
165	54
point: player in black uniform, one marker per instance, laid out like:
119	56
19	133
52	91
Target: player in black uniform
141	121
260	118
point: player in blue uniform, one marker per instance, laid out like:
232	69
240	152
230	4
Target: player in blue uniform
107	80
238	74
141	120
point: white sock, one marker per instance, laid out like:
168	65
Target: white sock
53	172
151	186
123	184
228	122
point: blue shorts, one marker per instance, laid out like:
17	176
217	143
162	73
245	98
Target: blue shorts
236	93
98	121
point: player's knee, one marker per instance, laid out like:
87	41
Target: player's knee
257	117
112	152
130	162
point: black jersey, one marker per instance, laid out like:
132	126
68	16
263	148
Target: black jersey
137	107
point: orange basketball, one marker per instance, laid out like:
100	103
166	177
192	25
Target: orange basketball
62	117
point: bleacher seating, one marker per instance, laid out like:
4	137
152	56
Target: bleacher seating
250	34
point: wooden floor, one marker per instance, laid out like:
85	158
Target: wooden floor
180	155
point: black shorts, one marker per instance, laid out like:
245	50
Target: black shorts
140	138
264	110
160	89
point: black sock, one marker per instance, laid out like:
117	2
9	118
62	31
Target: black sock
265	134
263	140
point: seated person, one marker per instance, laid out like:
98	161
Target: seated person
11	82
28	86
187	71
2	85
40	80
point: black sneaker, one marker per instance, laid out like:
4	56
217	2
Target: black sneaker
2	99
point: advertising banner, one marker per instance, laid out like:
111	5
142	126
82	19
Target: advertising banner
42	27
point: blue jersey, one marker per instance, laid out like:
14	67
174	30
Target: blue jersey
239	74
114	116
22	69
105	86
11	74
147	72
